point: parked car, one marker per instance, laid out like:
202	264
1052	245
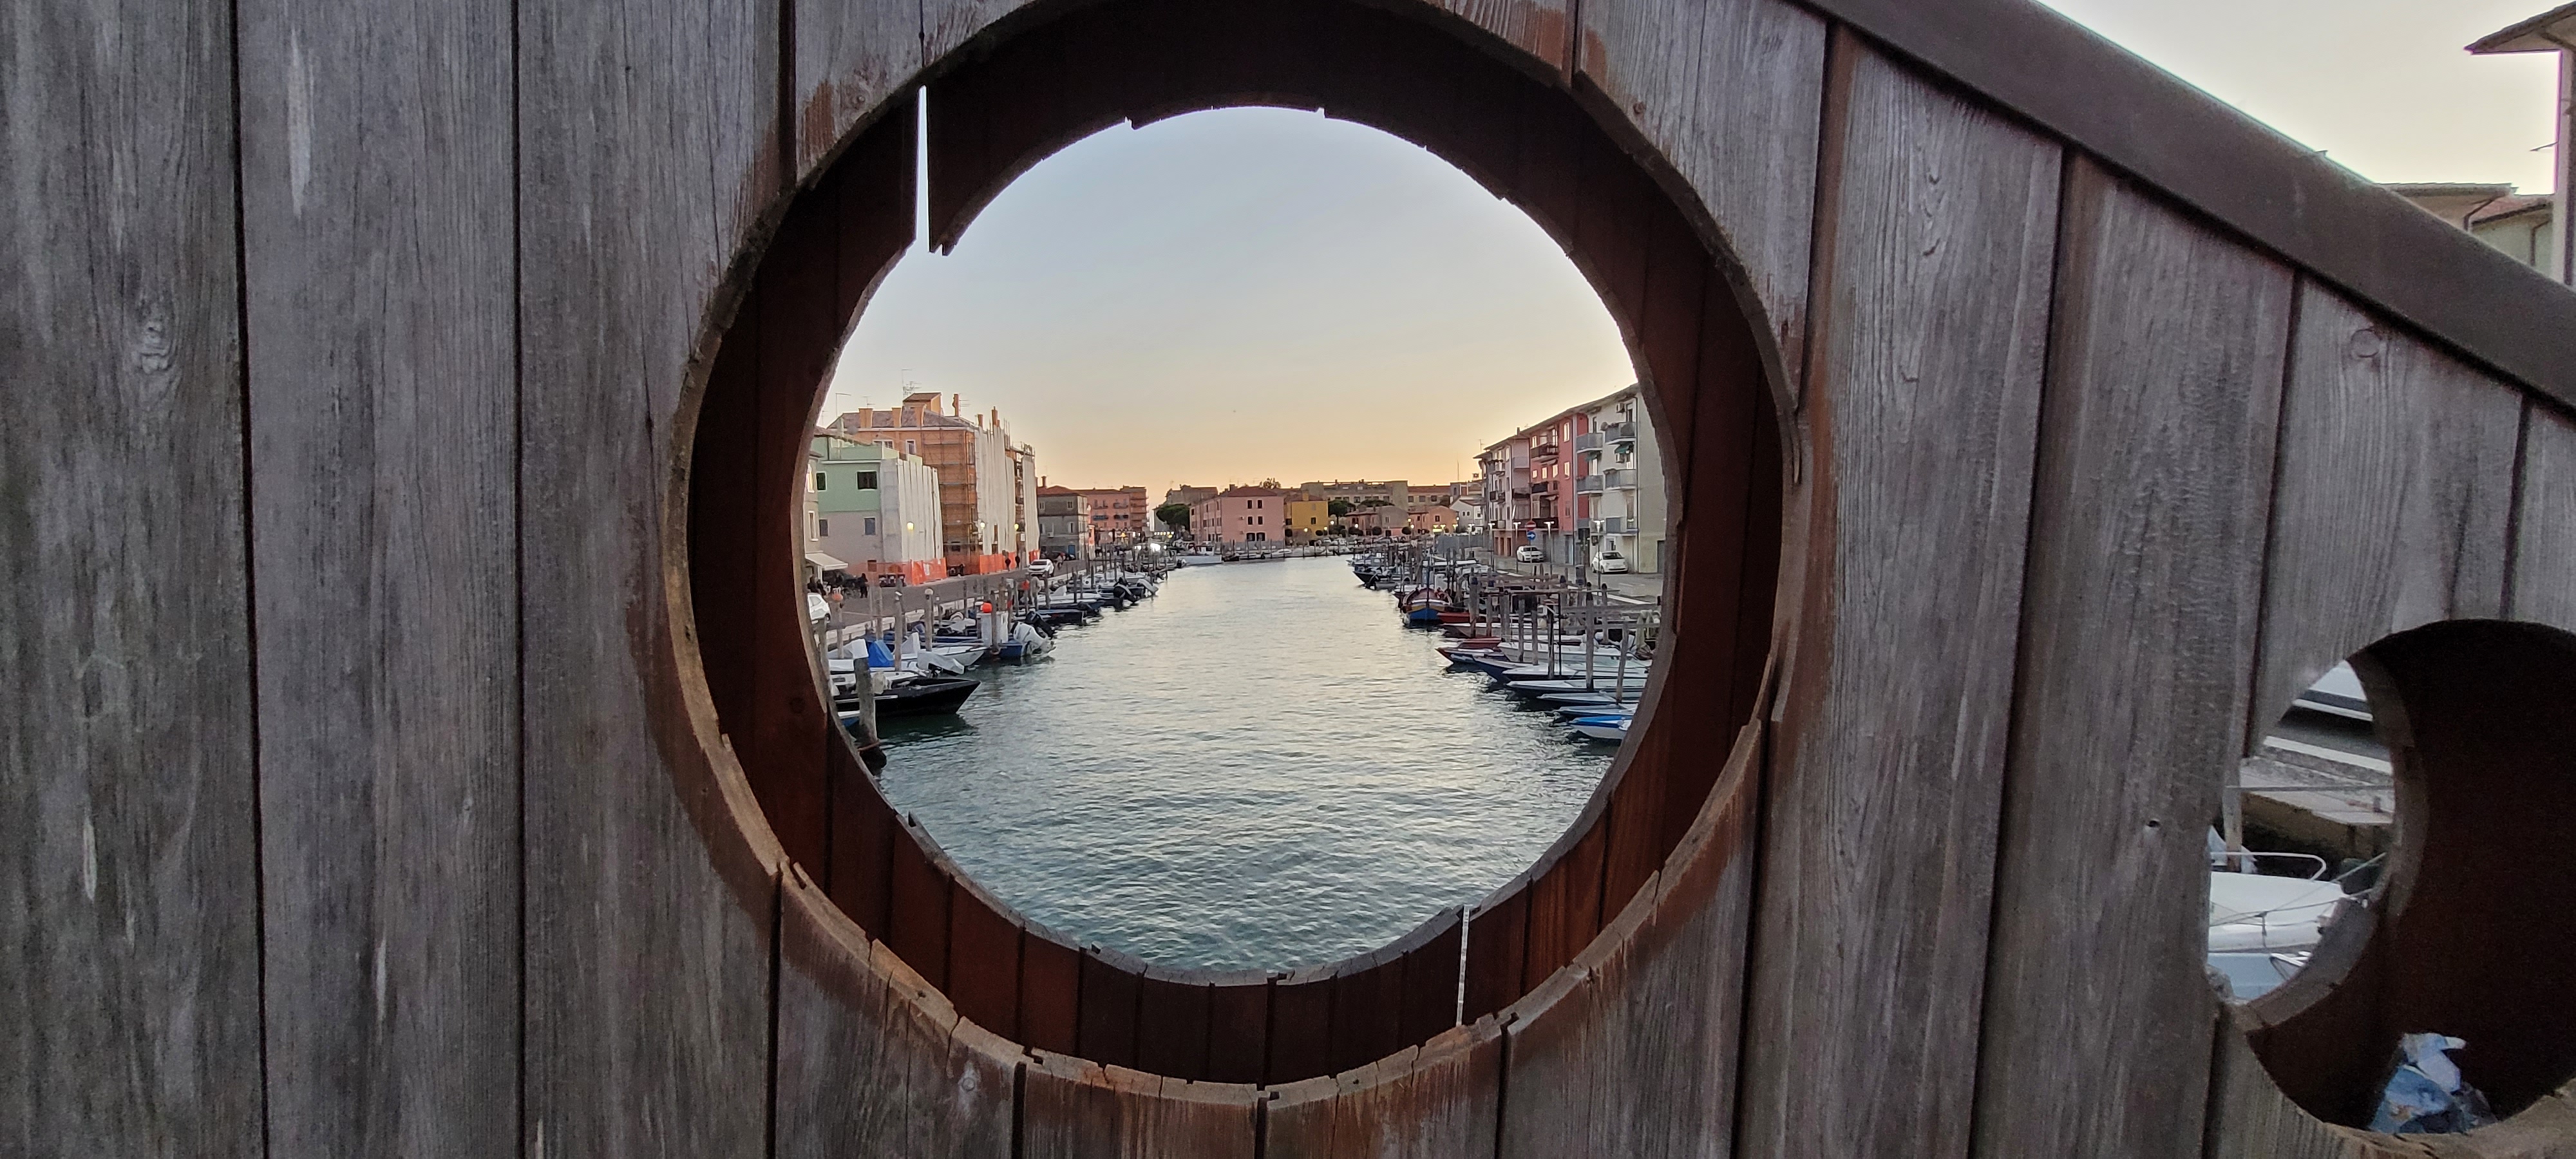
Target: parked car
1041	566
817	609
1531	553
1608	561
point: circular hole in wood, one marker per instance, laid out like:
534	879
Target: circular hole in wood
2468	932
1708	374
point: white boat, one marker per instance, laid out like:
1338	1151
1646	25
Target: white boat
2262	928
1200	559
1609	728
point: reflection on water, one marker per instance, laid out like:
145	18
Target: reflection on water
1261	767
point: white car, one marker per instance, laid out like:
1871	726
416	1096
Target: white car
1608	561
1041	566
1531	553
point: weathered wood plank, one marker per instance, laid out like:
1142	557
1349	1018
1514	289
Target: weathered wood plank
1730	93
946	24
130	982
1541	28
648	148
1870	934
851	63
2204	153
1073	1109
871	1060
1438	1100
2396	485
1640	1059
2544	556
2139	618
2249	1117
377	204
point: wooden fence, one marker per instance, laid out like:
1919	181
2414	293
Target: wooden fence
416	747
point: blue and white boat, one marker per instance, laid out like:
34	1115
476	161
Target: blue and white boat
1609	728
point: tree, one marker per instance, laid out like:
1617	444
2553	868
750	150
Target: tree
1174	515
1338	508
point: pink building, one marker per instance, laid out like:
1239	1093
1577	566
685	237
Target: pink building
1241	515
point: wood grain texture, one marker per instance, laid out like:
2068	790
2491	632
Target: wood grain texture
2139	619
1870	934
1639	1059
2199	151
129	883
2395	492
648	149
1540	28
871	1060
1072	1109
1730	94
377	205
851	63
1438	1100
2544	549
2249	1117
947	24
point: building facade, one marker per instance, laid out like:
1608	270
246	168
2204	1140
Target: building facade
980	495
1064	522
1306	518
1391	492
1241	515
1023	538
1119	515
873	510
1591	472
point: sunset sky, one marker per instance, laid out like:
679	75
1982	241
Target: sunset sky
1232	295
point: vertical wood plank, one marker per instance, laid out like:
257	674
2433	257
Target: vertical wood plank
2396	484
2249	1117
1730	92
1073	1109
2544	556
1870	933
378	192
1436	1101
1640	1059
1497	938
2139	618
851	62
1541	28
871	1060
648	146
130	986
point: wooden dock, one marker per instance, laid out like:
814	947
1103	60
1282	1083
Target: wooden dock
416	748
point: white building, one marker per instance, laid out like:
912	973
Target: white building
872	509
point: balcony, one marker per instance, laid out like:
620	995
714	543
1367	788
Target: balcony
1619	432
1544	451
1620	480
1588	485
1614	525
1589	441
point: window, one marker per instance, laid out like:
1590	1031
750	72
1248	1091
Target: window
868	526
867	480
824	527
912	446
818	480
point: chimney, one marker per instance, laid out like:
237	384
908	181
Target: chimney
957	405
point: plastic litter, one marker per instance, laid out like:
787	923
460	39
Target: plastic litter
2425	1094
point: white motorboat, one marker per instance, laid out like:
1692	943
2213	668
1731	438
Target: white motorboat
2262	928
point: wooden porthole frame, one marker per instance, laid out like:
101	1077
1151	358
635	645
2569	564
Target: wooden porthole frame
2466	933
1712	369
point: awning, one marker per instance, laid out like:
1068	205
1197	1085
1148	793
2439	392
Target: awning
827	563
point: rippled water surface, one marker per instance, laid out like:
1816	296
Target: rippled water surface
1260	767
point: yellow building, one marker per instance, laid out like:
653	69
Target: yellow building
1308	518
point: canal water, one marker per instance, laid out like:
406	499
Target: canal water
1259	767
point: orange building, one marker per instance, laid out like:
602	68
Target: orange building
1119	515
985	522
